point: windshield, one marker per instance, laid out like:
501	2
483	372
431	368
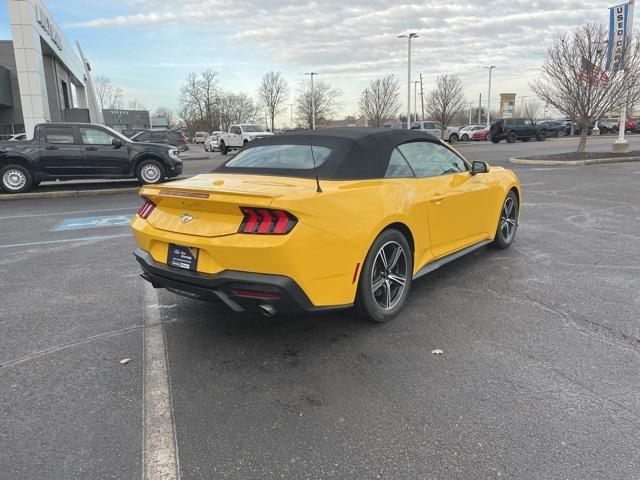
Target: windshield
253	128
281	157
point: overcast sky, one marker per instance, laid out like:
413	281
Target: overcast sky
148	46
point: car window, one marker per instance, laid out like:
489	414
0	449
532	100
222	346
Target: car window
95	136
158	137
281	157
59	135
528	122
398	166
428	159
236	130
143	137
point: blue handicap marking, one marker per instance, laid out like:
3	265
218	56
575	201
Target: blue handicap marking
93	222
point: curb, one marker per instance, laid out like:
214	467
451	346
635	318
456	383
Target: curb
68	193
588	161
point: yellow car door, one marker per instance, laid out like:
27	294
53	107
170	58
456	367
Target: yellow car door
458	203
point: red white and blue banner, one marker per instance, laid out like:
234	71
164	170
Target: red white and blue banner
619	23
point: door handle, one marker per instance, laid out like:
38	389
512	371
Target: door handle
51	147
91	148
437	198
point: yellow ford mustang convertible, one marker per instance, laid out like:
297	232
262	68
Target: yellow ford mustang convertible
323	220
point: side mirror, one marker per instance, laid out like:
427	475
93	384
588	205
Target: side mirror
479	167
117	143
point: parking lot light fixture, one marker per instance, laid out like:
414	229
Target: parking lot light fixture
409	36
489	96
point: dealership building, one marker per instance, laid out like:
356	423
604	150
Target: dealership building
42	77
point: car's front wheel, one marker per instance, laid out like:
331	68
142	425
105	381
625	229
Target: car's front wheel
465	137
453	138
386	277
150	172
512	137
542	136
16	179
508	222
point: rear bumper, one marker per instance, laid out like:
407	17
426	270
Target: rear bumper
240	291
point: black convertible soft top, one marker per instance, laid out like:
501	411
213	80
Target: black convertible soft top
356	153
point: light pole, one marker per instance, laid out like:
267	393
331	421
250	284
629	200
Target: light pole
415	100
313	102
409	36
489	96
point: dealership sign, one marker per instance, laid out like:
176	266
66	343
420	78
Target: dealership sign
620	18
43	18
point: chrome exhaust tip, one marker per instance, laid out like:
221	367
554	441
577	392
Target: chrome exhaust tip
267	310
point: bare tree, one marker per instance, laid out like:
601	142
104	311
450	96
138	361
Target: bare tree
528	109
238	108
136	104
446	100
575	79
166	113
273	92
380	101
109	96
200	95
325	99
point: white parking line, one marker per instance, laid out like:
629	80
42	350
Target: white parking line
95	238
62	214
160	452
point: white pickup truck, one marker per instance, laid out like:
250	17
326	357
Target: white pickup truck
451	134
239	135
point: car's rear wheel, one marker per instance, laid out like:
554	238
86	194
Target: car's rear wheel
494	139
223	148
150	172
453	138
386	277
16	179
465	137
508	222
512	137
542	136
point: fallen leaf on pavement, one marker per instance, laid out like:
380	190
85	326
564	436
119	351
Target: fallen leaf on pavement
437	351
124	361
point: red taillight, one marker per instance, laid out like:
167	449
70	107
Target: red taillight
266	221
147	207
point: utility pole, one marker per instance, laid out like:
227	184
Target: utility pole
480	109
470	110
421	98
489	96
313	102
409	36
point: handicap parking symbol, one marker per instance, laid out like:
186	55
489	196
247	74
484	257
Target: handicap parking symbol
93	222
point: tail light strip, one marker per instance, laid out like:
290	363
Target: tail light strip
266	221
147	207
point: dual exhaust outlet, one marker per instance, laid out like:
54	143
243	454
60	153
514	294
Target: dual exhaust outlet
267	310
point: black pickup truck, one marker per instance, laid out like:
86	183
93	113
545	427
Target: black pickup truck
69	151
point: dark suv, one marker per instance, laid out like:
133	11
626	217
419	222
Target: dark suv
512	129
166	137
70	151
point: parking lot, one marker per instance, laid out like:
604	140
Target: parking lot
538	379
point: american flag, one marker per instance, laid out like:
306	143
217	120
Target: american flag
592	74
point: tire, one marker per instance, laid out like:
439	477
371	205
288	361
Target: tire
245	142
223	148
507	222
541	136
453	138
493	139
512	137
371	301
15	179
150	172
465	138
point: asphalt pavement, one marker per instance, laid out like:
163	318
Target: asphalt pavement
538	379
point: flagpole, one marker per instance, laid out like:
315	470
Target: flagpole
621	145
